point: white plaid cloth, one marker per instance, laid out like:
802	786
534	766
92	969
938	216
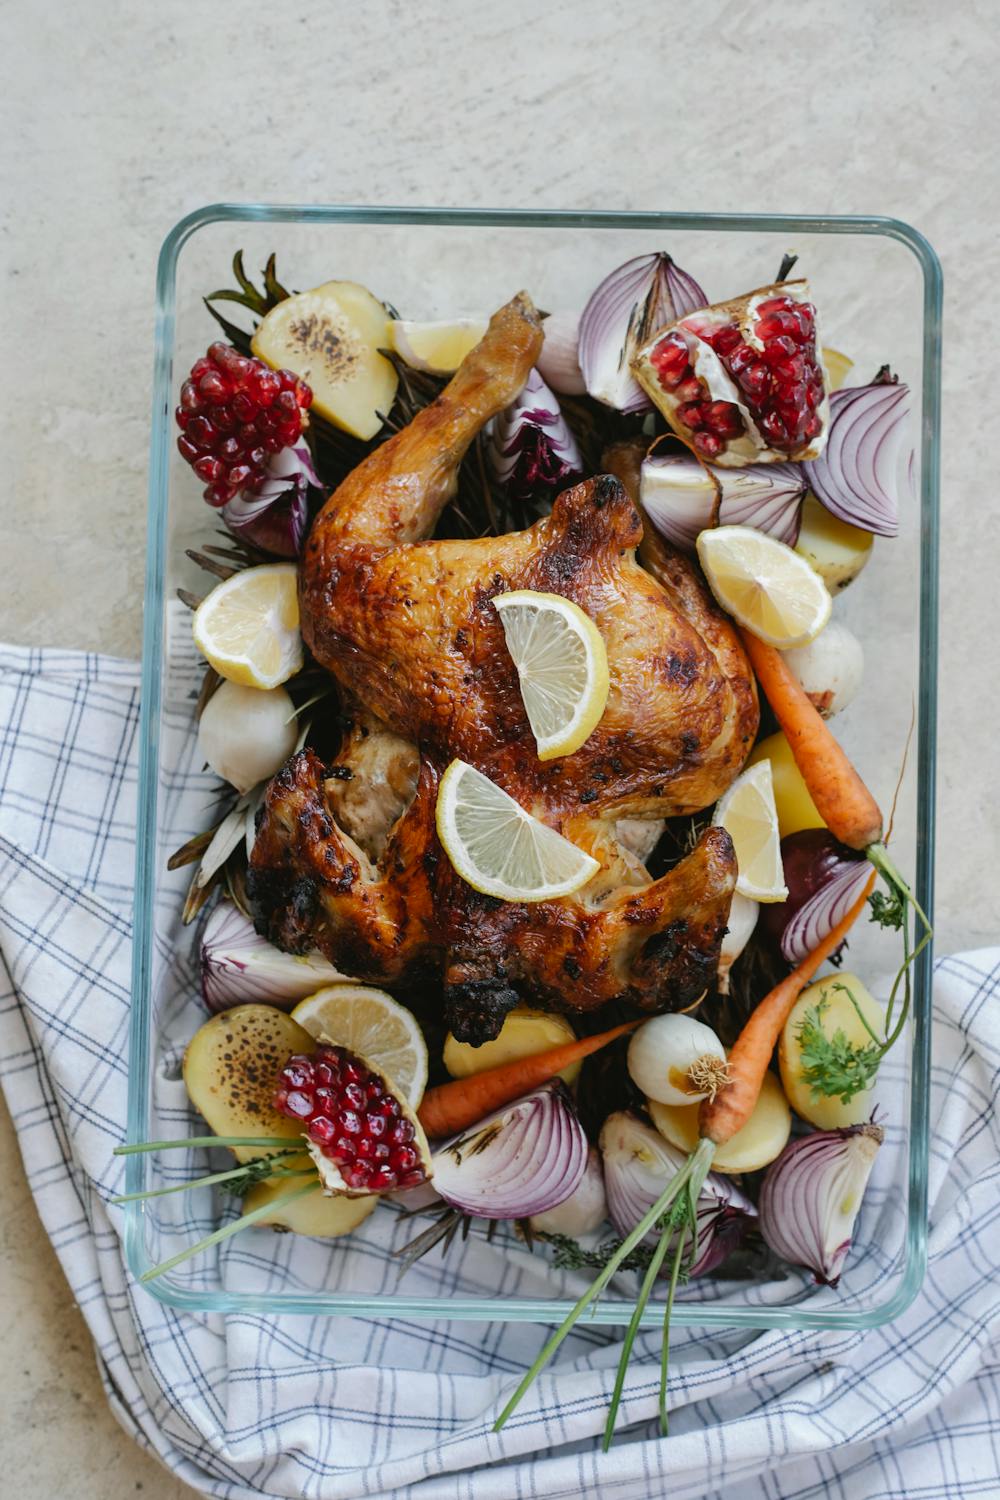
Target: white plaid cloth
328	1408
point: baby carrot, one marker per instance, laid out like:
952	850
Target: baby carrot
455	1106
842	800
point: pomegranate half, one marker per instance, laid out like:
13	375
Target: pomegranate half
742	382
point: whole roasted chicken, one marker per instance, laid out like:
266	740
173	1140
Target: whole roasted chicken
346	857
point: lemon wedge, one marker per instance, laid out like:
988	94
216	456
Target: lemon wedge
748	814
764	585
562	666
500	849
438	348
248	627
374	1026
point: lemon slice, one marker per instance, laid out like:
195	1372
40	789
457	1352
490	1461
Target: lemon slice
248	627
438	348
562	667
837	366
748	814
499	848
764	585
375	1026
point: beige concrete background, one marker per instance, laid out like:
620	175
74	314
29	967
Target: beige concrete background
118	118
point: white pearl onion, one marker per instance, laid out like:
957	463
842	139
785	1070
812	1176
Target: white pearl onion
661	1053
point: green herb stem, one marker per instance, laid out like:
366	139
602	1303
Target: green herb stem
697	1163
267	1166
675	1272
648	1282
230	1229
266	1142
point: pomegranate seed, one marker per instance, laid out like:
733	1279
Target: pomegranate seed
779	349
689	390
691	414
210	469
727	339
298	1104
811	427
756	380
190	399
230	446
740	358
708	443
413	1179
774	428
723	418
773	305
346	1115
201	431
213	389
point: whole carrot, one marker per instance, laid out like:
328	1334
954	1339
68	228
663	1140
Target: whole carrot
455	1106
720	1118
842	800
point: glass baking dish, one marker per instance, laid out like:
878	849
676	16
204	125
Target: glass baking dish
878	285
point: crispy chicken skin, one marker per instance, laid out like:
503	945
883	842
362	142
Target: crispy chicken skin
407	627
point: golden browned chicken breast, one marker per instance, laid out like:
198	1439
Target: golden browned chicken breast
347	858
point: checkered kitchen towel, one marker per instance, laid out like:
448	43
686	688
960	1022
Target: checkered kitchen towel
334	1408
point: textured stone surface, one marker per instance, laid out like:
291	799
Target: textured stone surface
120	118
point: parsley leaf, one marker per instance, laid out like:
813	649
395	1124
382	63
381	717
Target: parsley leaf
832	1065
888	911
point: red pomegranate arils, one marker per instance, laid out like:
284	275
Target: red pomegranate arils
353	1119
234	411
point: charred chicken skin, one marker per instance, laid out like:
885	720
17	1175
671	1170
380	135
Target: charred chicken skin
347	858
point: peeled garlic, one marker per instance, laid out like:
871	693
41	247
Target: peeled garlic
246	734
741	922
675	1059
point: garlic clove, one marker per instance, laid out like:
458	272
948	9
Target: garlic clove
246	734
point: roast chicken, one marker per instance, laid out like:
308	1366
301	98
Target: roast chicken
346	857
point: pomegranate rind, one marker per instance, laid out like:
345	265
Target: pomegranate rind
751	446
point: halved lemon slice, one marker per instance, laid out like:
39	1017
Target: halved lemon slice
748	814
438	348
499	848
562	666
764	585
248	627
375	1026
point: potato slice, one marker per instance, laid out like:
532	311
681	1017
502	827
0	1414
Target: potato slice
762	1138
825	1112
331	337
524	1033
231	1069
795	807
315	1214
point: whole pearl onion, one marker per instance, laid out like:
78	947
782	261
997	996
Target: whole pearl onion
246	734
662	1051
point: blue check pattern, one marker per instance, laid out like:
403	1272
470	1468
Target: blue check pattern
331	1408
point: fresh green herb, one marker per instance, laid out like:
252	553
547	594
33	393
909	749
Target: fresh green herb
833	1066
569	1255
888	911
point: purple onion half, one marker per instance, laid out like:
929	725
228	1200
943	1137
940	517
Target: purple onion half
275	516
868	456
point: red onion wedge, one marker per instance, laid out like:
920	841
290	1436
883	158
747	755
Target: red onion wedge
238	966
868	458
630	304
523	1160
275	516
638	1164
824	879
532	451
683	497
811	1196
